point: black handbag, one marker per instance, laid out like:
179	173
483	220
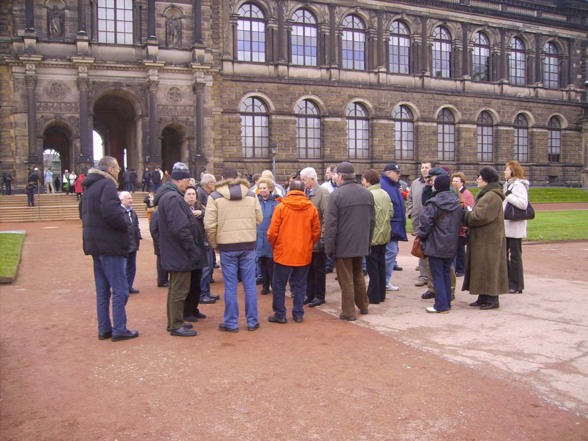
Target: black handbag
513	213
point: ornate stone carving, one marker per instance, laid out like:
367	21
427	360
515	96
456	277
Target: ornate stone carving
174	95
57	90
44	107
55	18
175	110
173	26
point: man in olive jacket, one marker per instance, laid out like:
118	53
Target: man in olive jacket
105	226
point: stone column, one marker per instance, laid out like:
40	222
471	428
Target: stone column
29	15
281	40
425	48
503	60
199	120
465	55
151	19
380	43
82	17
31	86
153	135
197	18
538	59
333	58
86	141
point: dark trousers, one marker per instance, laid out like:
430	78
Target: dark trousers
514	260
297	276
441	269
460	256
131	268
317	277
376	268
162	275
352	284
193	298
266	269
179	288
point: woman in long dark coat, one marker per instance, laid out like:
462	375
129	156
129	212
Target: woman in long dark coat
486	272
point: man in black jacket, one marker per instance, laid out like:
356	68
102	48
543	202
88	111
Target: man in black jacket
106	238
126	200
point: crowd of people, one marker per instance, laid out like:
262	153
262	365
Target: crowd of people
273	236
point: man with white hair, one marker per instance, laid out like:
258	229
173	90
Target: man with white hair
317	276
279	190
126	200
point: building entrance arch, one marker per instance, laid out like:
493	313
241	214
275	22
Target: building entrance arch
173	140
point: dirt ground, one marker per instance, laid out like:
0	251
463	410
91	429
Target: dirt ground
324	379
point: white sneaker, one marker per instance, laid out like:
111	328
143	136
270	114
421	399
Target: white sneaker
390	287
433	310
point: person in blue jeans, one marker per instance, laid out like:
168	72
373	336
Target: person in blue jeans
232	215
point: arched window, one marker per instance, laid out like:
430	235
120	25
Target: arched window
115	21
481	58
554	140
521	139
357	131
353	43
308	130
403	133
251	34
485	138
551	66
254	128
441	52
517	62
445	136
304	38
399	48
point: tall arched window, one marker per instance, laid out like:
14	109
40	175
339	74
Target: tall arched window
403	133
521	139
115	21
250	34
517	62
399	48
304	38
353	43
308	130
254	128
485	137
481	58
554	140
445	136
357	131
551	66
441	52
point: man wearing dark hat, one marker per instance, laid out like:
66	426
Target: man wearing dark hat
181	246
350	223
390	182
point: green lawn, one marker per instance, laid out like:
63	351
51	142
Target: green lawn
11	246
539	195
558	225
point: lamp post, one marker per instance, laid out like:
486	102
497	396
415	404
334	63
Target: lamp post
274	149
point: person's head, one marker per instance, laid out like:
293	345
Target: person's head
109	165
180	176
255	178
513	169
265	187
392	171
329	172
126	199
370	177
345	172
309	177
487	175
297	184
267	174
433	173
425	167
190	195
207	182
441	183
458	180
229	173
146	168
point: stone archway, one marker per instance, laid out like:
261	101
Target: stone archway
59	138
172	141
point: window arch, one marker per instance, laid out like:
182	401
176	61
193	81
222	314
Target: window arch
403	133
254	128
353	43
399	48
304	38
517	62
308	130
115	21
357	131
551	66
485	137
442	52
554	140
521	138
481	58
251	34
445	136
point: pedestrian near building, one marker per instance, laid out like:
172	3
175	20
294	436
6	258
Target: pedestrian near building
268	201
105	226
146	180
79	185
48	178
162	275
156	178
294	229
349	229
72	181
32	186
206	187
65	179
7	180
126	200
458	181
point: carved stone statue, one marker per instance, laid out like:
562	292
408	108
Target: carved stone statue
55	21
174	31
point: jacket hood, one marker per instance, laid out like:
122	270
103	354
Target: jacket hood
164	189
233	189
95	175
297	200
493	187
445	200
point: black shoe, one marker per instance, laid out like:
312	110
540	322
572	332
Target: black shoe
264	291
190	318
372	302
347	317
397	268
427	295
274	319
316	302
183	332
328	270
364	311
515	291
477	303
214	297
185	325
206	300
200	315
104	335
297	318
308	300
163	285
255	327
258	281
216	265
364	272
133	290
126	336
222	327
493	304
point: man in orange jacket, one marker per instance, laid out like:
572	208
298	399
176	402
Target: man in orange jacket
294	229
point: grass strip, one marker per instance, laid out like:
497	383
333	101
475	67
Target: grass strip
11	246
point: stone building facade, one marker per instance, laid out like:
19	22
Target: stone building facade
288	84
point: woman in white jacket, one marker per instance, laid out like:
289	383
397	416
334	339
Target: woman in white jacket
516	189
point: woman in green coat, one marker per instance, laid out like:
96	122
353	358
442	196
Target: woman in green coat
486	272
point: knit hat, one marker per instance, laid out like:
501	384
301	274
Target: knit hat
437	171
345	167
392	167
180	171
489	174
441	183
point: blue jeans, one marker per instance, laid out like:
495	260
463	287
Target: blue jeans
111	279
391	253
206	273
232	264
440	270
131	268
297	275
